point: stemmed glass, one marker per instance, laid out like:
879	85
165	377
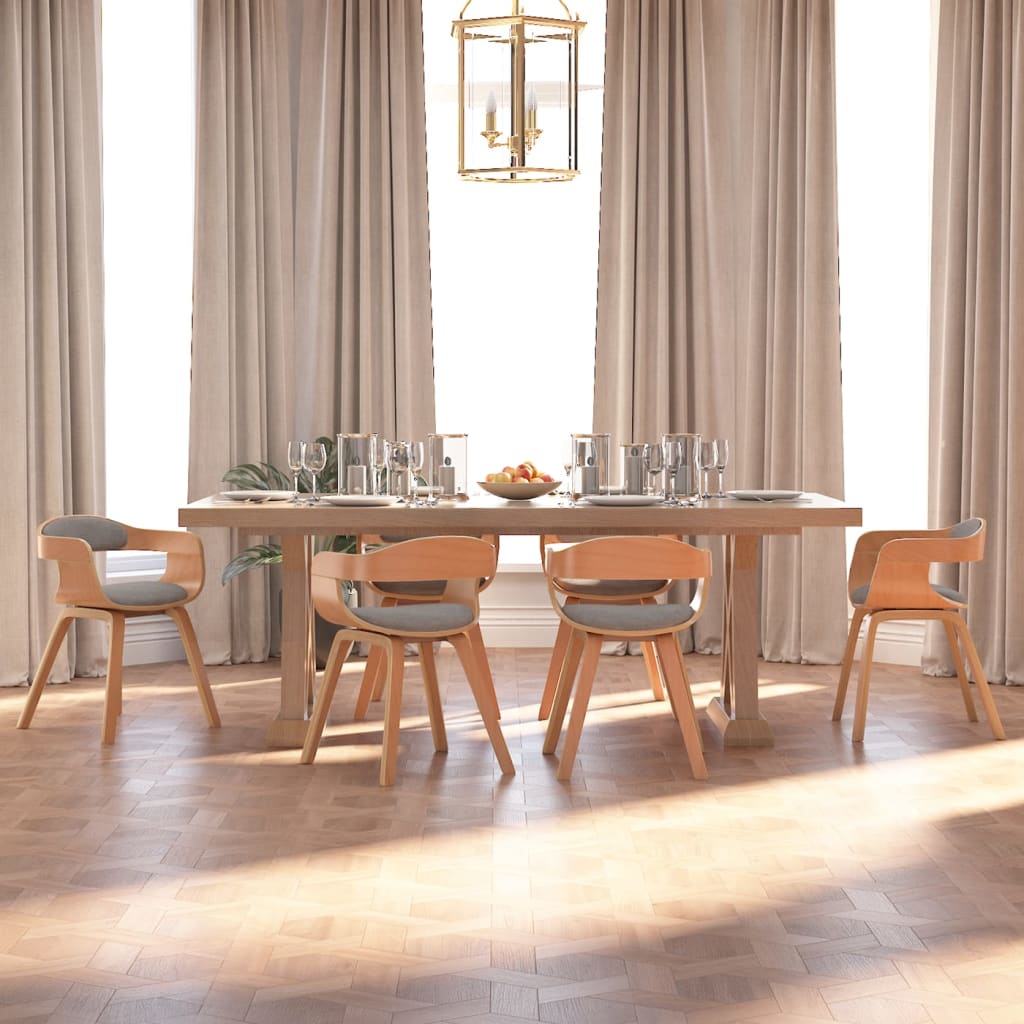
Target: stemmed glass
655	462
314	459
380	464
416	468
296	451
721	461
398	469
566	491
707	459
672	457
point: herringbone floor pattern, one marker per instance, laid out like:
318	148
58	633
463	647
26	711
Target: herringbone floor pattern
193	876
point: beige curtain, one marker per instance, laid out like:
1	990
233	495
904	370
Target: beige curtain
362	249
718	306
51	299
312	294
977	319
243	309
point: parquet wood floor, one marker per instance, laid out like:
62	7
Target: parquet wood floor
188	876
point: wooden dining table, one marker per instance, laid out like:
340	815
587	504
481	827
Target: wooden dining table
742	524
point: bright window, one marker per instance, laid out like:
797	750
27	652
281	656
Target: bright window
883	90
514	280
147	227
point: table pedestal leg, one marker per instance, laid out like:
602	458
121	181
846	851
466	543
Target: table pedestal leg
735	713
297	657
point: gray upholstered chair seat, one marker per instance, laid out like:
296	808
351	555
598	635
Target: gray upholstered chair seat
144	592
627	616
611	588
418	618
861	593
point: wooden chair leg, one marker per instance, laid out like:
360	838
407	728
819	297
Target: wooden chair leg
860	714
961	671
565	682
181	619
844	671
488	712
433	695
315	730
376	664
651	662
682	700
380	675
558	653
115	658
980	680
392	711
476	639
57	634
580	700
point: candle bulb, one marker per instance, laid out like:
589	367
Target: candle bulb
491	113
356	479
531	110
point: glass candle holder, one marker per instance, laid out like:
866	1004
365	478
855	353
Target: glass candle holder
357	461
447	464
591	454
633	462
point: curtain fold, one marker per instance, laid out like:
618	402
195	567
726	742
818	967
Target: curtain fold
977	320
718	270
312	294
51	292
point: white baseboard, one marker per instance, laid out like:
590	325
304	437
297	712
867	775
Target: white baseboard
150	639
514	612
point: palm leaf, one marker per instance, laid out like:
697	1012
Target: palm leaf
250	558
257	476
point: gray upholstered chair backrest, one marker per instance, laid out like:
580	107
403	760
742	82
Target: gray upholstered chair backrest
99	533
968	528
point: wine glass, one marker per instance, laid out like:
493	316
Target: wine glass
707	459
416	468
314	459
672	458
654	460
380	464
296	450
566	491
721	461
398	469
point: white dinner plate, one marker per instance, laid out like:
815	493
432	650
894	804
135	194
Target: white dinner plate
765	495
364	500
622	499
255	495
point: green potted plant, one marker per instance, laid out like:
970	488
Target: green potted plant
262	476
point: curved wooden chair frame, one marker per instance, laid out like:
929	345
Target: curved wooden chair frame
461	562
894	565
574	596
81	593
617	558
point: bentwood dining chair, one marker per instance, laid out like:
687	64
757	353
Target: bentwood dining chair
889	580
628	591
590	623
71	541
391	593
461	563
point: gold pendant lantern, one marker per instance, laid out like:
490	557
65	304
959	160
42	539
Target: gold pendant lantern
518	90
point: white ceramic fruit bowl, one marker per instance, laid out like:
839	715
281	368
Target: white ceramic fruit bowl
520	492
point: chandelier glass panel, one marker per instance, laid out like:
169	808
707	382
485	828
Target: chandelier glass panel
518	90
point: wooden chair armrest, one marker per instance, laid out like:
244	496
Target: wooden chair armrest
866	551
78	581
186	565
